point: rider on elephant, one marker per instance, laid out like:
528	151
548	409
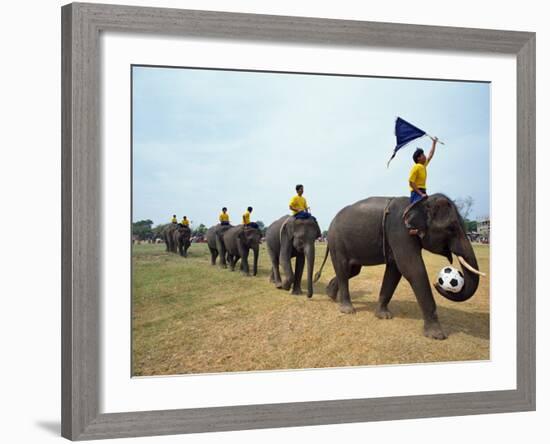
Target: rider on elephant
185	221
417	180
246	219
298	204
224	217
174	219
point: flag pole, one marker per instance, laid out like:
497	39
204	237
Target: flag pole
438	141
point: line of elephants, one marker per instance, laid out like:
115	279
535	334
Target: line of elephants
369	232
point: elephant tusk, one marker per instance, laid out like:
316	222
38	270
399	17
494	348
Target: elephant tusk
469	267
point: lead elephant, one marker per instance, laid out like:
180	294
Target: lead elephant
168	236
238	241
286	238
374	231
181	237
216	245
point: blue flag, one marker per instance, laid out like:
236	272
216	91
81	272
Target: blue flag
405	133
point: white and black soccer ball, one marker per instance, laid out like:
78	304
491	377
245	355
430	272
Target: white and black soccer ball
450	279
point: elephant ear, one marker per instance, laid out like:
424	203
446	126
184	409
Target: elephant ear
287	233
440	213
416	216
240	234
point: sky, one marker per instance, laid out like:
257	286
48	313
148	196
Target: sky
204	139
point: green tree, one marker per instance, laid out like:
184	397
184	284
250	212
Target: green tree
325	233
464	206
142	229
159	230
262	227
199	231
471	225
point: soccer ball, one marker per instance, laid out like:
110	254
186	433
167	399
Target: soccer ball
450	279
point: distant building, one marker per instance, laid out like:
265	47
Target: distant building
484	229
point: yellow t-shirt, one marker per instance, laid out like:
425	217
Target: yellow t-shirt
224	217
298	202
246	218
418	175
174	220
185	222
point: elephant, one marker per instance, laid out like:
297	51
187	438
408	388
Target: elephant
286	238
375	231
238	241
168	236
214	237
181	238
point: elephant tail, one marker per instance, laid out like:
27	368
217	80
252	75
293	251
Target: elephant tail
318	274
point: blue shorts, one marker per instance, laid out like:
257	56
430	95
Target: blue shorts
304	215
415	197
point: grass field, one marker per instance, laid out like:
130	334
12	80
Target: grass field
190	317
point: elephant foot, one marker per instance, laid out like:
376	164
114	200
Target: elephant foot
309	294
347	309
434	331
279	285
297	291
383	313
285	286
332	289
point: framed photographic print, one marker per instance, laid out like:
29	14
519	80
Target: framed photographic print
280	221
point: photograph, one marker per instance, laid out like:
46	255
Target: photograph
298	221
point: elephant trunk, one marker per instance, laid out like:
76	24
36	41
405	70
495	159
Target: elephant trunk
255	249
309	252
463	249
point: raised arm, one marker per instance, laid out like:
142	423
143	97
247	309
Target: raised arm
432	151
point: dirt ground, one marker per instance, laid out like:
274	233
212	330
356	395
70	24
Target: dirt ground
191	317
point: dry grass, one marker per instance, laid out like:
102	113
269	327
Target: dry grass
190	317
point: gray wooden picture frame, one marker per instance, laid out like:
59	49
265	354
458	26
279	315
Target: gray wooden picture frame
81	175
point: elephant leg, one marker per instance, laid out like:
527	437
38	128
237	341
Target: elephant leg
415	272
213	256
222	251
298	272
256	253
244	262
234	260
275	273
332	289
344	271
392	276
231	261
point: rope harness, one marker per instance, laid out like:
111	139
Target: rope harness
386	212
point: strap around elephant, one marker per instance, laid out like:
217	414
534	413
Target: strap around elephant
386	211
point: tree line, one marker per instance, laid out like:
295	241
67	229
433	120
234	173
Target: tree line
144	230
